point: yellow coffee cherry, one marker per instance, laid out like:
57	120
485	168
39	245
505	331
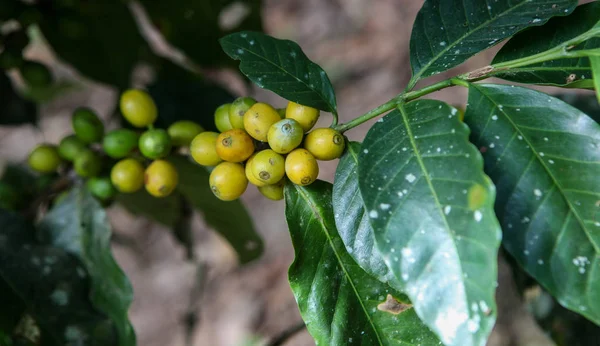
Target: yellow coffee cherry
161	178
204	149
249	174
138	107
273	192
268	167
306	116
228	181
127	175
285	135
301	167
237	110
258	119
234	145
222	118
325	144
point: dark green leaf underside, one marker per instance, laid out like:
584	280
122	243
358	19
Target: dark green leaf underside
448	32
340	303
431	209
79	225
15	110
282	67
229	219
544	157
53	285
562	72
352	220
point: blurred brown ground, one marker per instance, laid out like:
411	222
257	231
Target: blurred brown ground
363	45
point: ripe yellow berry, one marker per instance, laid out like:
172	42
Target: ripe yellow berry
325	144
234	145
222	118
204	149
285	135
127	175
306	116
273	192
138	108
301	167
228	181
237	110
161	178
258	119
268	167
249	174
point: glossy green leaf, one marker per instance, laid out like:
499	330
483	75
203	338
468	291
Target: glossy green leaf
446	33
282	67
340	303
352	220
563	72
181	95
229	219
53	285
196	26
431	209
15	110
544	157
99	38
595	62
166	211
79	225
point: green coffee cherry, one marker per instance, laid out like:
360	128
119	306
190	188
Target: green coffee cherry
155	144
36	75
238	108
119	143
183	132
87	126
87	164
44	159
70	147
222	118
101	188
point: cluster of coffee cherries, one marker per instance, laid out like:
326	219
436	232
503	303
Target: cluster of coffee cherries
264	146
122	160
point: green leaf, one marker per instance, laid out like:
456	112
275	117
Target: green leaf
563	72
352	220
15	110
99	38
282	67
586	103
193	26
181	95
80	226
166	211
340	303
595	62
230	219
543	156
431	209
52	284
447	33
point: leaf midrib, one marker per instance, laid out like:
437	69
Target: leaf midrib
320	219
331	107
539	159
424	68
417	155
